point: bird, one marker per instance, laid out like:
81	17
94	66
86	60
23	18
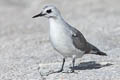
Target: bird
66	39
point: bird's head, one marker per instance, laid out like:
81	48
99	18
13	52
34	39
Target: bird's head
48	11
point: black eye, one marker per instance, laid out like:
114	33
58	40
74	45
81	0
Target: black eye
49	11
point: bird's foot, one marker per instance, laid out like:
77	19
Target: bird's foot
52	72
59	71
70	71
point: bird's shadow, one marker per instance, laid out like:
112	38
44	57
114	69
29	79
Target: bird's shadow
90	65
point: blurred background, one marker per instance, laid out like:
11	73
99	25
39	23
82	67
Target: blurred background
24	42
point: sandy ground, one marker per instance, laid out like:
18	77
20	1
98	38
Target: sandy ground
24	42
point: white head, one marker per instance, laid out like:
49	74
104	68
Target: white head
49	11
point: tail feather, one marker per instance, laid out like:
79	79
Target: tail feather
96	51
100	53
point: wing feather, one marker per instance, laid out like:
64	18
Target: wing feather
79	40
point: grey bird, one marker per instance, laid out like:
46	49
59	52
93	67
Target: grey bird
66	39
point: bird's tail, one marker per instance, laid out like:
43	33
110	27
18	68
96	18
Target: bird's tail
100	53
96	51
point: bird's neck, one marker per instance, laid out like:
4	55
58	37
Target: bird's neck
56	22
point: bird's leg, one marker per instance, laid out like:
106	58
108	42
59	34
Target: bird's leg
51	72
62	65
73	63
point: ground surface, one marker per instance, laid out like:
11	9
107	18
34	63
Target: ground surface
24	42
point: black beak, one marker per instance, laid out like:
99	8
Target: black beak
38	15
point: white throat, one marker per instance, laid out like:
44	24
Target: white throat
56	25
56	22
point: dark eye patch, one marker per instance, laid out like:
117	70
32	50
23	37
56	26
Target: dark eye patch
49	11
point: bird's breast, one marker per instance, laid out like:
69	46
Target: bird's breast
60	38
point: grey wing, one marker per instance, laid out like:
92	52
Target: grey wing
79	41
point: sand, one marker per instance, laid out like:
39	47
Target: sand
25	46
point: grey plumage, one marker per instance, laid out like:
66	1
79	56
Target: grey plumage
81	43
78	40
95	50
66	39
